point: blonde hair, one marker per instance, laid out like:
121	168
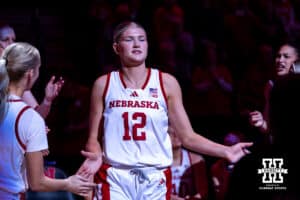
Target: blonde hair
16	59
122	27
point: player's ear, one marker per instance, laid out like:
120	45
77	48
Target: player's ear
29	73
28	76
116	47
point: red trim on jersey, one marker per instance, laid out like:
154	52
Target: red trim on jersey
18	99
105	184
101	177
168	174
147	79
162	87
106	87
181	157
144	85
122	78
16	126
190	158
14	100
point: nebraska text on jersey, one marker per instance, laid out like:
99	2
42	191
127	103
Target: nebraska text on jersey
133	104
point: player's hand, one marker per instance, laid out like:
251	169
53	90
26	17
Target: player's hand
256	119
91	164
237	151
79	185
53	88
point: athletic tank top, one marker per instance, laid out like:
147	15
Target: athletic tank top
14	145
182	176
135	123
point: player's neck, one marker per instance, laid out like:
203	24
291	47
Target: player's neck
135	77
15	90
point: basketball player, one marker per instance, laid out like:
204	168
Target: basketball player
133	107
23	132
189	178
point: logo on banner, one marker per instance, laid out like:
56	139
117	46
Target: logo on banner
272	174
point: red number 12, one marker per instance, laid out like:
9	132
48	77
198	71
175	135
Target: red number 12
135	127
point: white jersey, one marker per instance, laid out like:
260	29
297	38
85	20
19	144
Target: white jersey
182	176
22	130
135	123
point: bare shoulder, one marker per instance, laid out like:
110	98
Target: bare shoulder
99	86
170	82
168	78
100	82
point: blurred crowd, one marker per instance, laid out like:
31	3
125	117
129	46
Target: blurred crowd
221	52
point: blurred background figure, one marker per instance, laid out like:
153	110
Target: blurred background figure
286	56
189	177
53	87
7	36
221	170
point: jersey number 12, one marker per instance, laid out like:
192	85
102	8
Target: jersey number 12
141	124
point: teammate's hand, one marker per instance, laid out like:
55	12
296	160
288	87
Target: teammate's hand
53	88
91	164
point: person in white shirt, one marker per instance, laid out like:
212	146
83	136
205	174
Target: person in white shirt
133	108
23	131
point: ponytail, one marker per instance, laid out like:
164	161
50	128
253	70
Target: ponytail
16	60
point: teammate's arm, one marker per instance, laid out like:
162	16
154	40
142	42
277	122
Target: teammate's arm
39	182
51	92
93	152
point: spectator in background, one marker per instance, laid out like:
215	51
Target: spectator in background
189	178
245	182
286	56
284	125
7	37
221	169
250	89
285	11
168	20
211	83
